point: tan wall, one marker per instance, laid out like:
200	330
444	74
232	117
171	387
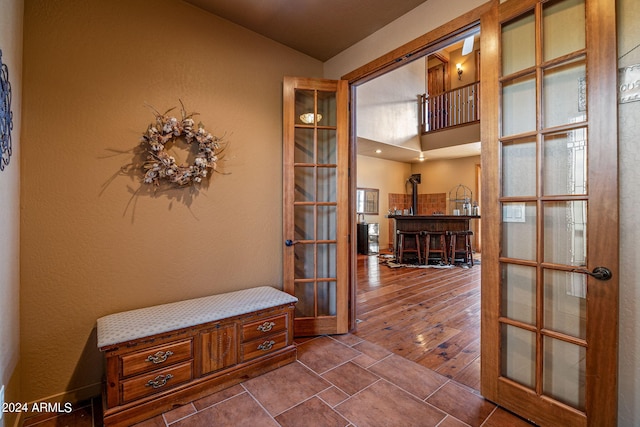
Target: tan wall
438	176
387	176
629	360
92	245
11	46
441	176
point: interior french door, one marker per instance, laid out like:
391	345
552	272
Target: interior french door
550	210
316	203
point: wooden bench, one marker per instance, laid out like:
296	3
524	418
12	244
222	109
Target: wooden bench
164	356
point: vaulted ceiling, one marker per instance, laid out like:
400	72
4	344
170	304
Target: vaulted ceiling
319	28
322	29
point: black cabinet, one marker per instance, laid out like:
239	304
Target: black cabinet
368	235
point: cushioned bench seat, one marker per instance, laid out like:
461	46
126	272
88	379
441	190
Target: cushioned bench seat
130	325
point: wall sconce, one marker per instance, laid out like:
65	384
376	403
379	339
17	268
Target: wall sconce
459	68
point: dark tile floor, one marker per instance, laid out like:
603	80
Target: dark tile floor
336	381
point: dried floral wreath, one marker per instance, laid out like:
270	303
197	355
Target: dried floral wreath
160	166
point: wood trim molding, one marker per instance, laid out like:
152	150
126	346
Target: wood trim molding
395	57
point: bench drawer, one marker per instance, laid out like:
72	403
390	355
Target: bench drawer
156	358
156	382
262	346
264	327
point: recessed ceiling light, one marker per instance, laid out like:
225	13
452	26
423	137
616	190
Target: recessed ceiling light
378	151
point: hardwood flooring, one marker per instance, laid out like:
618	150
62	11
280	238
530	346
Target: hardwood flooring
428	315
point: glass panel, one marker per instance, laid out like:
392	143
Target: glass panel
565	163
304	184
326	298
304	261
519	168
519	230
327	108
303	152
564	94
519	293
518	44
327	183
327	223
305	105
306	299
304	223
519	106
518	355
565	232
563	27
327	261
327	146
564	372
565	304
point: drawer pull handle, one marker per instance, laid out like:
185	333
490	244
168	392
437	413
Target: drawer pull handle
159	381
159	357
266	326
266	346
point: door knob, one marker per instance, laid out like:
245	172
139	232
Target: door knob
290	242
600	273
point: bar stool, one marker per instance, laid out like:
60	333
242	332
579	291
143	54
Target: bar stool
400	244
435	243
460	246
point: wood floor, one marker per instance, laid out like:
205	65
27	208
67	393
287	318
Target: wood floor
428	315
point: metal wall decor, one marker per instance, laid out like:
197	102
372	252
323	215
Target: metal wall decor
629	84
6	115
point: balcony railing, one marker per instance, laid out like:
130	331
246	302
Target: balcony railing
454	107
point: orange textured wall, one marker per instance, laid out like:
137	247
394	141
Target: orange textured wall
92	244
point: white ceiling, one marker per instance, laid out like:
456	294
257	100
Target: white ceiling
408	155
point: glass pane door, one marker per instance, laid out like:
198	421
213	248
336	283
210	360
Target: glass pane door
315	195
544	128
549	210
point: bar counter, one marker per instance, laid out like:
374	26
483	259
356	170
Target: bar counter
428	223
431	222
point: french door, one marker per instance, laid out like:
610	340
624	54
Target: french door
550	210
316	203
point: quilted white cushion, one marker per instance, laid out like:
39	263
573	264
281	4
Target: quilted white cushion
144	322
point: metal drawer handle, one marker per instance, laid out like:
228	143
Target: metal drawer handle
159	357
266	346
159	381
266	326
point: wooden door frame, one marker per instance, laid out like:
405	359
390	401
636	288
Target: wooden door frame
415	49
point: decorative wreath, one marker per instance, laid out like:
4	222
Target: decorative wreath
161	166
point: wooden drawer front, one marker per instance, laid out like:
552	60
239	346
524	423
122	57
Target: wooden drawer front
262	346
156	382
264	327
155	358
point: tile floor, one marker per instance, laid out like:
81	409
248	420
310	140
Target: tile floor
337	381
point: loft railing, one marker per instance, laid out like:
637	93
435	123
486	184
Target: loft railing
454	107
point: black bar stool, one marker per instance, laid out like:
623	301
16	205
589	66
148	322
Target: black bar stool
435	243
460	247
400	244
